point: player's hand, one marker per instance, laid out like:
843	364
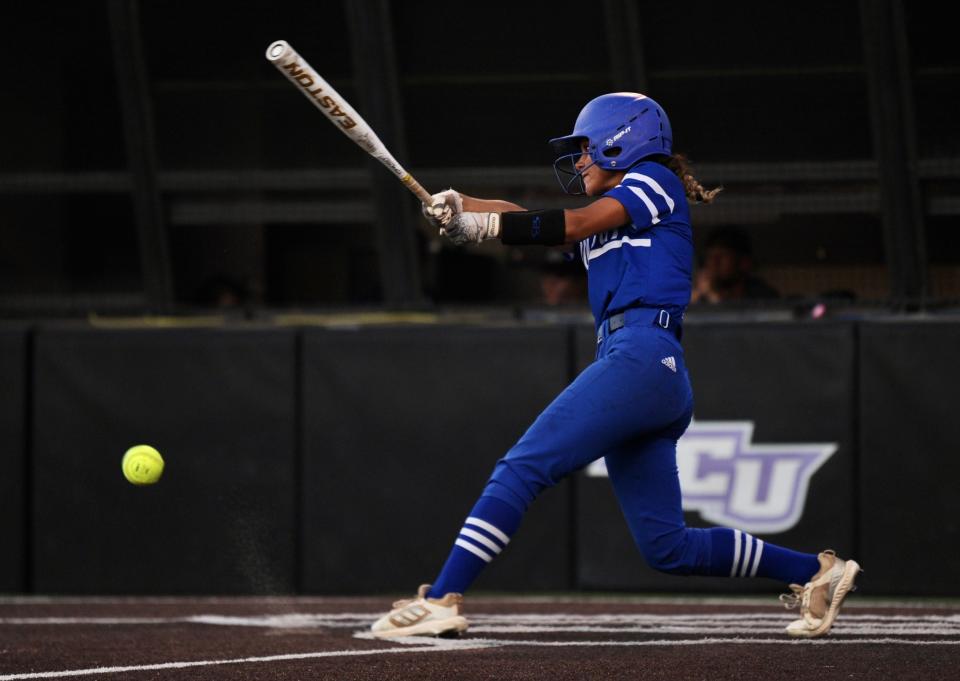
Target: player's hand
443	207
472	228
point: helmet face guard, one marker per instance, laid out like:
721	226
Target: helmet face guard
620	130
565	165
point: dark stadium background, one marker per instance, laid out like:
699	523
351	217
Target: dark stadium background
191	256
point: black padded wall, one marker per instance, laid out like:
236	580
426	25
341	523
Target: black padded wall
402	427
13	415
909	430
347	466
219	405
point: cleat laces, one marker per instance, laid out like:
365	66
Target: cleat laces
798	596
405	602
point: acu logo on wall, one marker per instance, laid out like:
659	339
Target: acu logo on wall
730	481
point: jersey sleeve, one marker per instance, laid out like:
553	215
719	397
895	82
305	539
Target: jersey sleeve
647	194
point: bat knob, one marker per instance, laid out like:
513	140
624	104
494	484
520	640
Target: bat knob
277	49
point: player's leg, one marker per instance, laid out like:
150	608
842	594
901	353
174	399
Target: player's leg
645	480
644	477
599	409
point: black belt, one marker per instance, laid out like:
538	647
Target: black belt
639	315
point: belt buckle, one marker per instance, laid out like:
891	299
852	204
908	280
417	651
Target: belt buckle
663	319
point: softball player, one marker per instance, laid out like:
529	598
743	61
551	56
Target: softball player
633	403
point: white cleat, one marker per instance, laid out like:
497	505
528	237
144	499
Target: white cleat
820	598
422	616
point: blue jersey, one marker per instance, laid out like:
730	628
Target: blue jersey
647	262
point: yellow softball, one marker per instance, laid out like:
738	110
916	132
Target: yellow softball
142	465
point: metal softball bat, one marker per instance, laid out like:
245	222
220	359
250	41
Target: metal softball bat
323	96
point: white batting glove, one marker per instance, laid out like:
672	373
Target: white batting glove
443	206
472	228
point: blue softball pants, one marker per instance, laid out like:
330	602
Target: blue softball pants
630	408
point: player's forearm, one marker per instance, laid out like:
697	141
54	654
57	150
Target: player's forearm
472	205
481	220
576	227
602	215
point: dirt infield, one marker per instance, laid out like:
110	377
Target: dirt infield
516	638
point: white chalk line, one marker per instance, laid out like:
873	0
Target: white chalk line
860	602
926	624
465	645
852	625
756	624
105	621
571	618
845	628
769	615
839	631
500	643
681	624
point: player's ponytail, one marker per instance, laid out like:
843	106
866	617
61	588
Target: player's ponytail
680	165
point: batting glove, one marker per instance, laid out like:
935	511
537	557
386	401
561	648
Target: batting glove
472	228
443	206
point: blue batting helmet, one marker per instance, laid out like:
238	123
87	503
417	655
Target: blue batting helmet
620	128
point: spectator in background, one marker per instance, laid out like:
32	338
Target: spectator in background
726	270
223	293
562	281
